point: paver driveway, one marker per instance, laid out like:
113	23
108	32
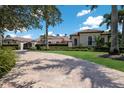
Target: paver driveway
36	69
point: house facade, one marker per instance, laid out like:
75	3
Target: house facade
87	37
28	43
17	41
54	40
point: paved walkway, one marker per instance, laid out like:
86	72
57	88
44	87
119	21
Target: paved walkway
35	69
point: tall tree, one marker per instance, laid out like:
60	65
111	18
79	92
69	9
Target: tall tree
114	49
18	17
121	21
107	21
51	16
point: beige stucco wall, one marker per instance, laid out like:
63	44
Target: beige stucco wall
105	37
82	39
78	41
10	41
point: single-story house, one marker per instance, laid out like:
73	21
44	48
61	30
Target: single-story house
17	41
87	37
54	40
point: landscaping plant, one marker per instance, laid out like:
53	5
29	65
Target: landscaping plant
7	61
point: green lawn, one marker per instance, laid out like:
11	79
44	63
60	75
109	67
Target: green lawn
92	57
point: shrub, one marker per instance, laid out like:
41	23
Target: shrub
38	47
101	49
7	60
33	48
13	47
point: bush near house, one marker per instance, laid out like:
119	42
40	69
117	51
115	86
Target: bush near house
62	47
7	60
11	46
105	49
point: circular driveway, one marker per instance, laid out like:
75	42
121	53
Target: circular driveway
46	70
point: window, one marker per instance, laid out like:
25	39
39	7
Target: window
90	40
75	41
57	42
49	42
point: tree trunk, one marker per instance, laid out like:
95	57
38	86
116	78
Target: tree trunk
1	40
46	36
114	49
123	33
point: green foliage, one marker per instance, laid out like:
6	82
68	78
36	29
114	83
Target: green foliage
52	17
107	18
60	47
33	48
13	47
38	47
99	41
7	60
17	17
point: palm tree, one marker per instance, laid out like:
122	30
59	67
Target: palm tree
51	16
121	21
114	49
107	21
123	33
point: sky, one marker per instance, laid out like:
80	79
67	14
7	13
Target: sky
76	18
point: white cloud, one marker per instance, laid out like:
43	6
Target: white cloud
85	27
94	22
61	34
12	35
23	30
108	29
51	33
83	12
27	36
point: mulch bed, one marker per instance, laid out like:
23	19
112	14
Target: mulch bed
116	57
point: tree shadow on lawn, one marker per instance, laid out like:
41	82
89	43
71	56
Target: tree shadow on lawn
115	57
89	70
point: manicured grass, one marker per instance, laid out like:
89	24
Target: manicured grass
93	57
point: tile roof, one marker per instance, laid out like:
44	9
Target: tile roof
55	38
21	39
91	31
87	31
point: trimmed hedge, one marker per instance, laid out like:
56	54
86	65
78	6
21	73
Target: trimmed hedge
13	46
7	61
61	47
104	49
